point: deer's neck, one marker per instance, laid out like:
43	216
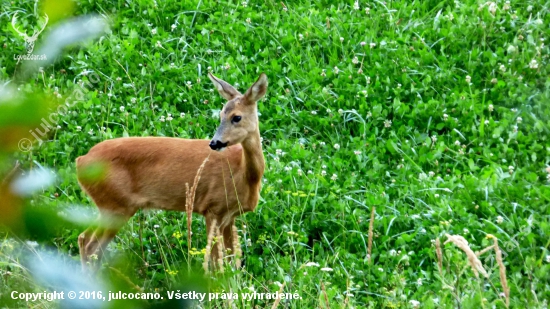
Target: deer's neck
253	158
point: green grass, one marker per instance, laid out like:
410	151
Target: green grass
436	113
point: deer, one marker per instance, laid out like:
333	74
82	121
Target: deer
30	40
153	172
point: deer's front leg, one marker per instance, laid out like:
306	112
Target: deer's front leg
213	258
222	240
232	244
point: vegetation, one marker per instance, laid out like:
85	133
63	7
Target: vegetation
431	116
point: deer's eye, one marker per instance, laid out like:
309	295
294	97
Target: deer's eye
236	119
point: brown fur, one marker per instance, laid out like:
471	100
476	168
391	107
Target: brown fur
152	172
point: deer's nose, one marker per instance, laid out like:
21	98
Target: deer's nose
217	145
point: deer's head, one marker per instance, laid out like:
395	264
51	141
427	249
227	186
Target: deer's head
239	116
30	40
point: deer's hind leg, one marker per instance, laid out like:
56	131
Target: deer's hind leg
94	240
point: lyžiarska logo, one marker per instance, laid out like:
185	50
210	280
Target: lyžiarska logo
29	40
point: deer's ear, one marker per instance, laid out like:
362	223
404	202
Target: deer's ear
258	90
225	89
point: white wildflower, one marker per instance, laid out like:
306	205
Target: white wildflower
499	219
334	177
468	79
336	146
154	31
327	269
492	7
414	303
533	64
31	243
310	264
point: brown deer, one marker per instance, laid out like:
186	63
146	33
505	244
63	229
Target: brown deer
152	172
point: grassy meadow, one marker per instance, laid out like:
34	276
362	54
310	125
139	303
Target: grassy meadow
393	131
